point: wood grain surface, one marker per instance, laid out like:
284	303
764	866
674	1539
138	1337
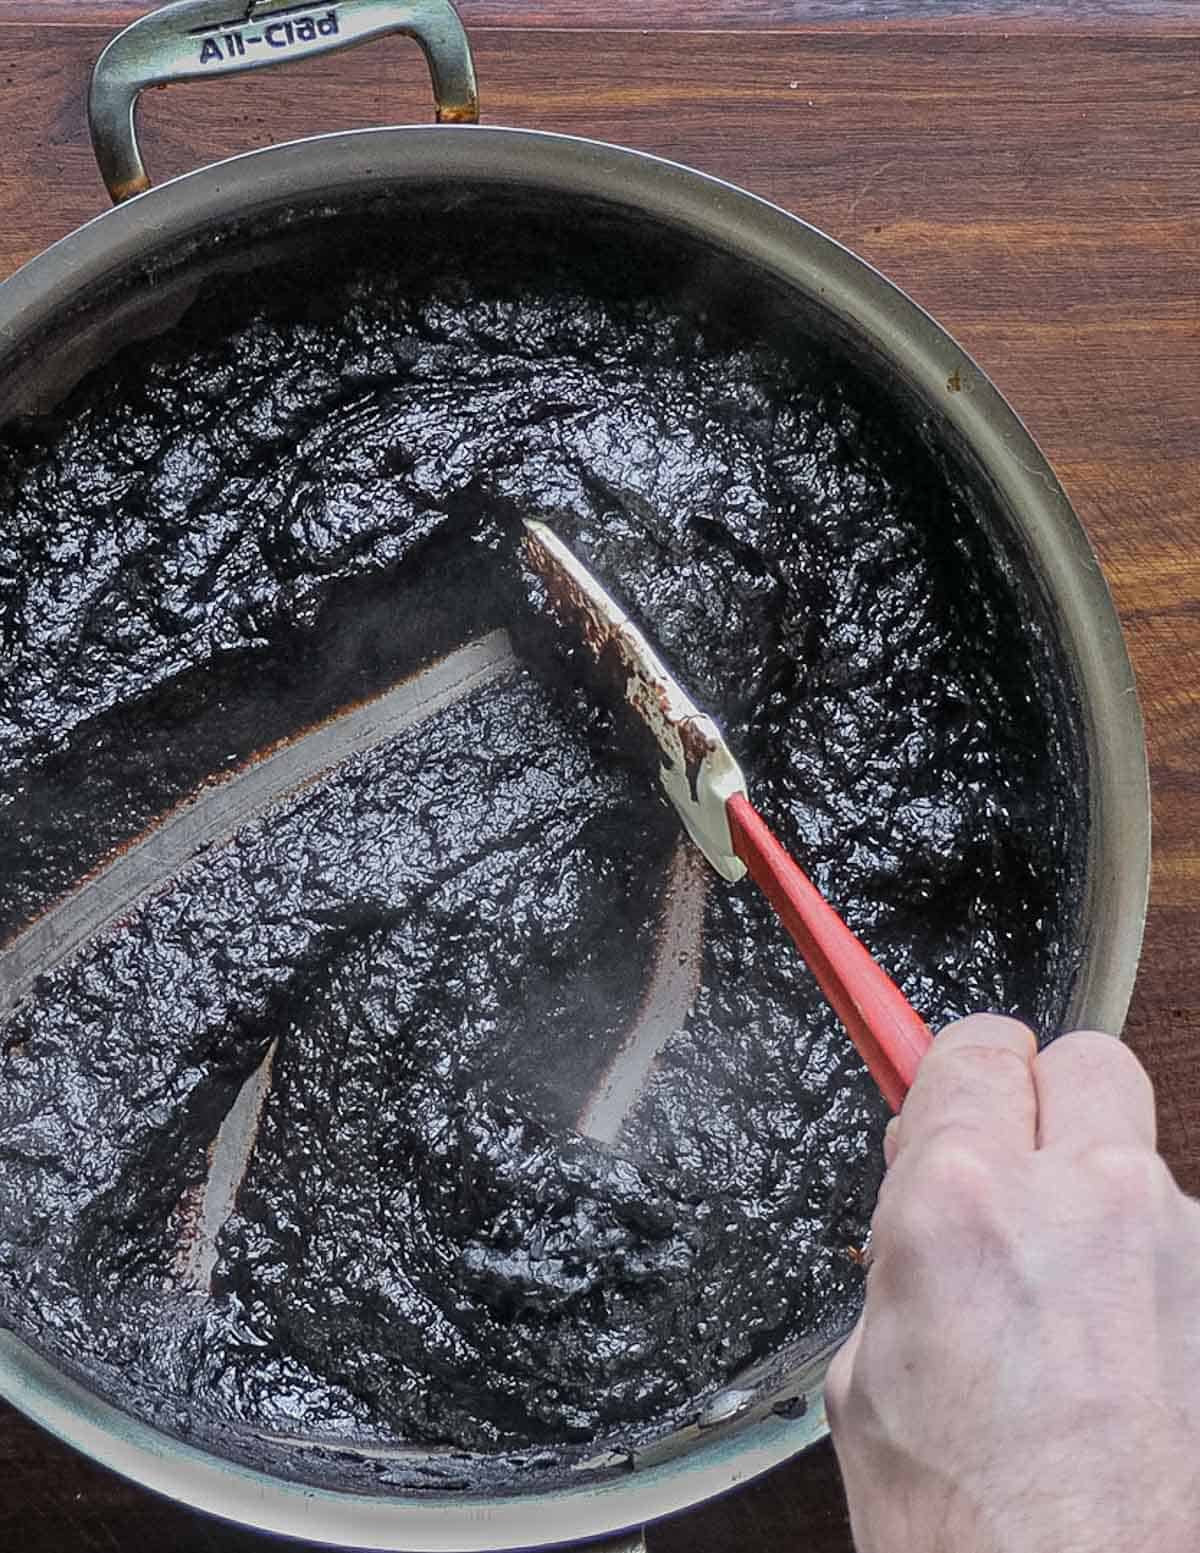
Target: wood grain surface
1029	173
746	15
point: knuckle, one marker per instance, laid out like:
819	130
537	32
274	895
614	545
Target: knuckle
1124	1179
990	1032
953	1173
1096	1051
970	1075
997	1061
946	1185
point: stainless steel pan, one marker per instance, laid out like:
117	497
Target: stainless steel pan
128	269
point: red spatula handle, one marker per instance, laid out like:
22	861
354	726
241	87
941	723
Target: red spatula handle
889	1033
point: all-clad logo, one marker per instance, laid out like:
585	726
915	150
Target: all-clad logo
226	42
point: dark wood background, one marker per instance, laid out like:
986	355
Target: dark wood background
1029	170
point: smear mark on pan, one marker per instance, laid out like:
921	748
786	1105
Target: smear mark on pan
217	810
206	1210
670	993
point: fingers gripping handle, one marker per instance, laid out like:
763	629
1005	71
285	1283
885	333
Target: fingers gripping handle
192	39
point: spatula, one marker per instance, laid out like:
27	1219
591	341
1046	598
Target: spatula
706	786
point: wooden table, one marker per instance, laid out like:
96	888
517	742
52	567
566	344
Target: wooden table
1029	170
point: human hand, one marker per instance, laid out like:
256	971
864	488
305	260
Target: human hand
1026	1374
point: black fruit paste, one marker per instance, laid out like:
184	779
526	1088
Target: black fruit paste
225	536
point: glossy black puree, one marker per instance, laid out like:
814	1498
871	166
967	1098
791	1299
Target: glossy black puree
306	490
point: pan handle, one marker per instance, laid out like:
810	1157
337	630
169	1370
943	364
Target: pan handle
191	39
631	1542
